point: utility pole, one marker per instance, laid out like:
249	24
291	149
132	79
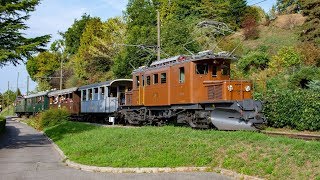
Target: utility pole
27	85
8	100
159	42
17	83
61	73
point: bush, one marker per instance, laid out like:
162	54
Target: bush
297	109
314	85
53	117
286	57
254	60
250	28
2	124
301	77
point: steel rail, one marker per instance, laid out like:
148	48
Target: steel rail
307	137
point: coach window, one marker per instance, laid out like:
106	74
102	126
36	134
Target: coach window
84	95
112	91
102	93
70	97
181	75
148	80
202	68
137	81
163	78
90	94
214	71
95	96
155	79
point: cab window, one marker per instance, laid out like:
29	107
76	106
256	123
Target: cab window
142	80
202	68
148	80
137	81
214	71
155	79
181	75
163	78
225	70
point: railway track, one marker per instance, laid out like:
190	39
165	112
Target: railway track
308	137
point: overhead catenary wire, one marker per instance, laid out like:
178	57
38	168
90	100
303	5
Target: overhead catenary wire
257	3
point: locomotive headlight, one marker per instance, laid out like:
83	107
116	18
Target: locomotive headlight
230	88
247	88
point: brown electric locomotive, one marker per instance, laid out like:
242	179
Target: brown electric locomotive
194	90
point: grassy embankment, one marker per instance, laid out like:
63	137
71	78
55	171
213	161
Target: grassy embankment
274	38
250	153
8	111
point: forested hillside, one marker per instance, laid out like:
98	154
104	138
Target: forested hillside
278	50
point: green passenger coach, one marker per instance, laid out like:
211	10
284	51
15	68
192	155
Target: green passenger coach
32	104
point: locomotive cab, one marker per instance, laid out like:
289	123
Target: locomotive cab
212	76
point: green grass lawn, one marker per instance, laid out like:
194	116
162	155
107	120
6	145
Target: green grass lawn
250	153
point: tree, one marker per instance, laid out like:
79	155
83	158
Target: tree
73	35
214	10
42	67
14	46
311	28
8	97
141	37
236	12
288	6
98	47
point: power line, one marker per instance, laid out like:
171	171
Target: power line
258	2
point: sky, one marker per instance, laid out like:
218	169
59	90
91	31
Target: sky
53	16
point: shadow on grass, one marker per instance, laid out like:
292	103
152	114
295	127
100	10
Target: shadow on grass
57	132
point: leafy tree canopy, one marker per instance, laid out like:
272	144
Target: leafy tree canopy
73	35
14	46
98	47
42	67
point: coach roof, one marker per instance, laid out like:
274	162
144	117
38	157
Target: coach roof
44	93
106	83
63	91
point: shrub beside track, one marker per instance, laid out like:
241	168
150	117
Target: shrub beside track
2	124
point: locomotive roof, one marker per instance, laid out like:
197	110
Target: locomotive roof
188	58
44	93
106	83
63	91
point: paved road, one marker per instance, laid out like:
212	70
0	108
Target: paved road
27	154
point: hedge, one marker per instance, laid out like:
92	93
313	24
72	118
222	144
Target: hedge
2	124
296	109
